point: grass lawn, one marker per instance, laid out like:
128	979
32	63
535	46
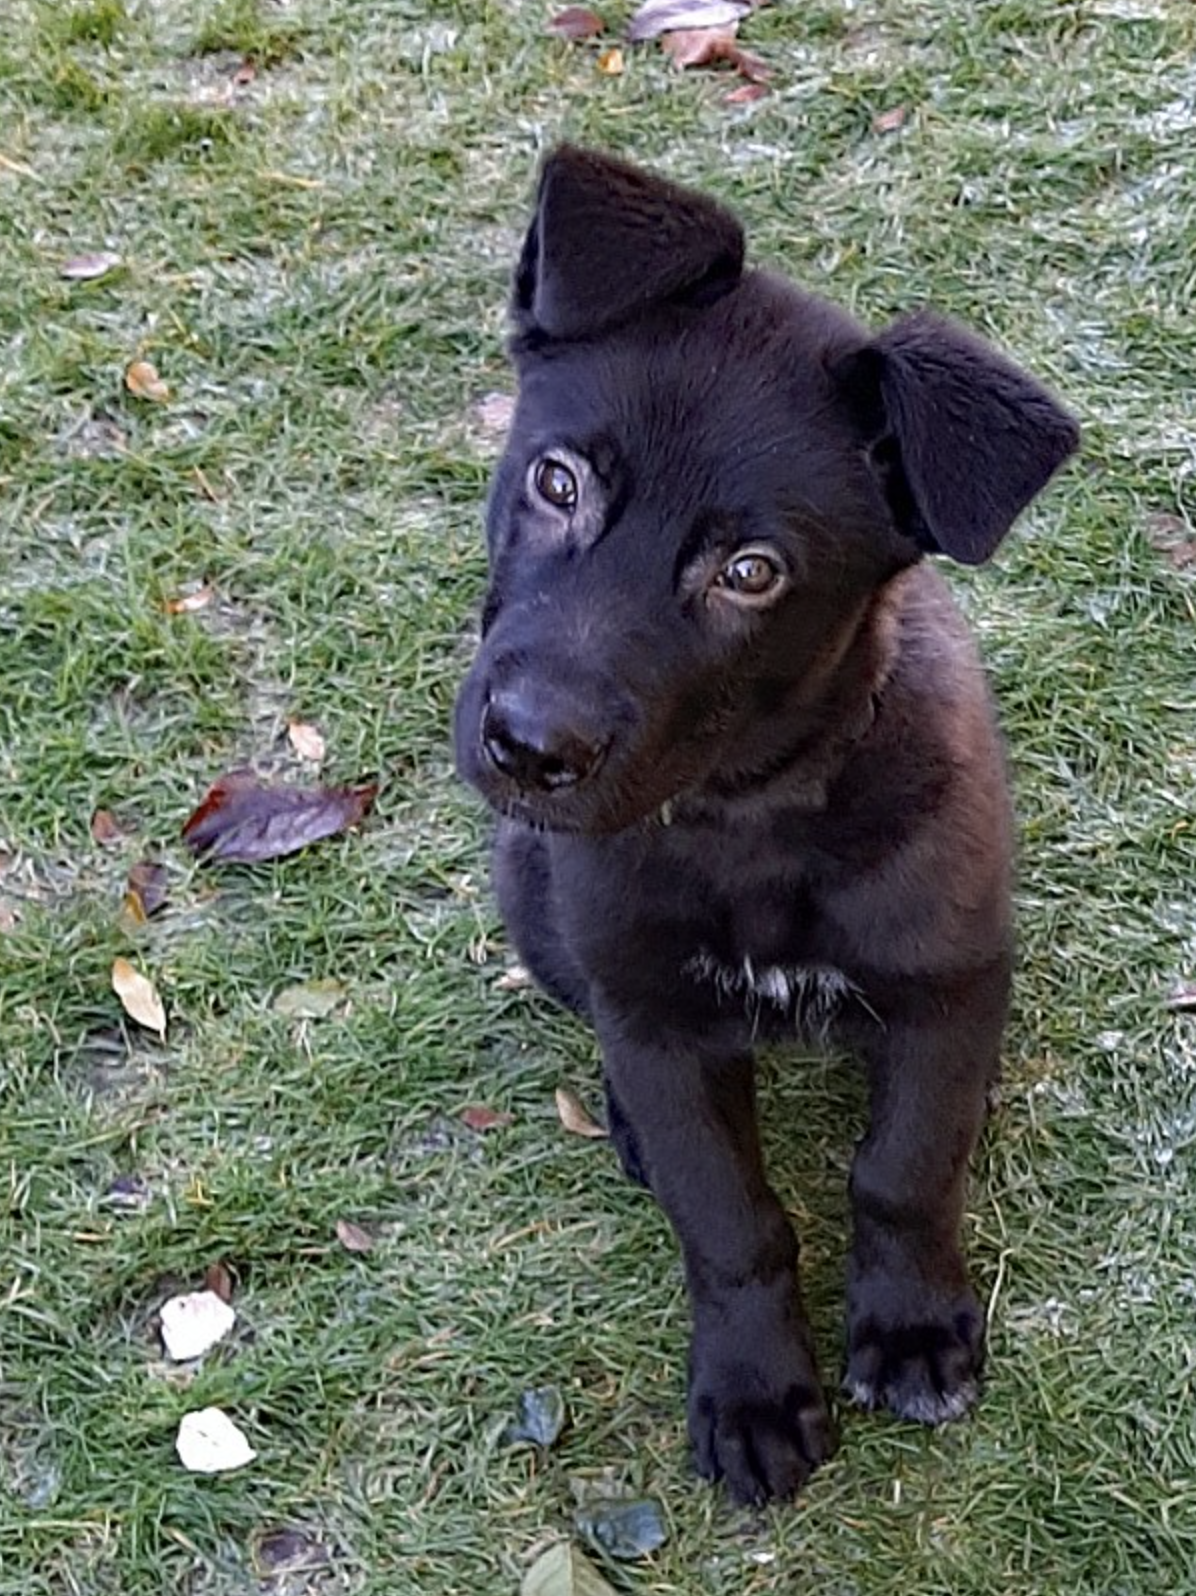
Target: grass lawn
314	256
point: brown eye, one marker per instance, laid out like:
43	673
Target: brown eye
750	575
556	483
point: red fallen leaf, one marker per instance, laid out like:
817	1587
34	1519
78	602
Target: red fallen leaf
692	47
243	820
479	1118
745	94
892	119
145	890
576	22
106	829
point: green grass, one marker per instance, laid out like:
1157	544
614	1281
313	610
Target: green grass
316	262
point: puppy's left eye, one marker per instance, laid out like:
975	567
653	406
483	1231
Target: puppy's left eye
752	575
555	483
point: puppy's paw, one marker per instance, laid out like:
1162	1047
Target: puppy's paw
923	1366
761	1435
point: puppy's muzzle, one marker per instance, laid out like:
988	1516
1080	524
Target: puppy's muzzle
534	741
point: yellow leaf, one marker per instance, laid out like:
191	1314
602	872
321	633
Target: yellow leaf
611	61
143	382
574	1116
138	997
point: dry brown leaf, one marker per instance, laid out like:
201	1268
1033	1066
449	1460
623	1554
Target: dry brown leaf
217	1279
145	890
139	997
477	1117
574	1116
85	268
745	94
187	603
611	61
892	119
663	16
106	829
143	382
243	820
307	741
1173	538
245	73
352	1237
690	47
576	22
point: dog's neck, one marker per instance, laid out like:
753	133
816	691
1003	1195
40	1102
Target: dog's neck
819	719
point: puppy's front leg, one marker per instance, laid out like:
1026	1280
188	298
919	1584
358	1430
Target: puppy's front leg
915	1329
757	1414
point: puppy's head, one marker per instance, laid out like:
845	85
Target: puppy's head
708	476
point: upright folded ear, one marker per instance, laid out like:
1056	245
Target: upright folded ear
608	239
960	437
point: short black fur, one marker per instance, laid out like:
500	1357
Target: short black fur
747	768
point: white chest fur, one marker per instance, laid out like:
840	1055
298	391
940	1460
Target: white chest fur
812	993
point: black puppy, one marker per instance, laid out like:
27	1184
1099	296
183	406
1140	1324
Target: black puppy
748	766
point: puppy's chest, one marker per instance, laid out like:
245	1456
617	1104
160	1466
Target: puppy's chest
809	996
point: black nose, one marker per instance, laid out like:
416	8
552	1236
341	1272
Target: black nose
534	746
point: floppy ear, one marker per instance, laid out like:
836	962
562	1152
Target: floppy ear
961	438
608	239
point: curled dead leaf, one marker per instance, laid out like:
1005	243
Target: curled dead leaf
611	61
86	268
139	997
217	1279
106	829
889	121
352	1237
745	94
477	1117
145	889
243	820
196	598
307	741
143	382
576	22
574	1116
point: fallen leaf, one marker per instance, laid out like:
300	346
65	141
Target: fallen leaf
138	997
352	1237
1173	538
243	820
563	1570
514	979
85	268
576	22
288	1551
892	119
611	61
690	47
145	890
194	1323
307	741
625	1530
245	73
106	829
745	94
310	1000
493	413
479	1118
216	1278
143	382
663	16
209	1442
540	1416
573	1115
197	598
1181	998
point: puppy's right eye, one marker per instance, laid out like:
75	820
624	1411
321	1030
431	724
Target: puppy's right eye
556	484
